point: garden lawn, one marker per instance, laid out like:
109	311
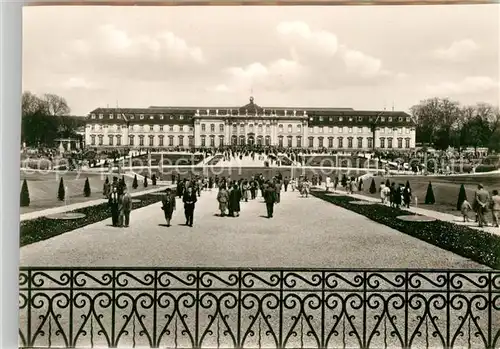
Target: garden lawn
476	245
43	188
445	189
43	228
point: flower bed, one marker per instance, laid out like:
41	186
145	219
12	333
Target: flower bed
44	228
476	245
215	160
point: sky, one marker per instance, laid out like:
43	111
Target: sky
360	57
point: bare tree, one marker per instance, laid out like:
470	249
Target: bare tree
56	105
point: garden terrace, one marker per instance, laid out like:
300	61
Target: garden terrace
169	159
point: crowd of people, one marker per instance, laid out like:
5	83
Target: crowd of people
482	203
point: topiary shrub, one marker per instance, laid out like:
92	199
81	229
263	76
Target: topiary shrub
429	197
387	183
61	193
153	179
86	188
134	183
145	181
462	196
373	187
25	194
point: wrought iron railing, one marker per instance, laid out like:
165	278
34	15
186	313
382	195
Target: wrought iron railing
129	307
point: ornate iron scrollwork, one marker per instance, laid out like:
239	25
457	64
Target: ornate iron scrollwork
279	308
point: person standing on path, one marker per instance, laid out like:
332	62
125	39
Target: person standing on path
126	208
286	181
234	201
495	208
189	200
482	199
270	199
168	205
113	203
223	199
277	187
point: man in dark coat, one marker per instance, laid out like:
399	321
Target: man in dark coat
126	208
285	183
168	205
114	202
234	201
189	200
270	198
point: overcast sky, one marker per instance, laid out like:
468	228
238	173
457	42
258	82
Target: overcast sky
363	57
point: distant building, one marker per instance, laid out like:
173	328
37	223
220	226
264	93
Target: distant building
187	127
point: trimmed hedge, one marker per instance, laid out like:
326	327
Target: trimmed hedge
486	168
477	245
43	228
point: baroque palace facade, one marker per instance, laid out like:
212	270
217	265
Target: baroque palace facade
187	127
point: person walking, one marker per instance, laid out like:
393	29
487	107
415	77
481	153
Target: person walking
126	208
234	201
223	199
482	198
189	200
286	181
495	208
168	205
270	199
113	203
245	190
407	196
277	187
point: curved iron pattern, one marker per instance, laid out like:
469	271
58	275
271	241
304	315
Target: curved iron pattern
282	308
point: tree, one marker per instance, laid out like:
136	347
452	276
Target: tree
145	181
462	196
134	183
61	193
153	179
429	197
25	194
373	187
86	188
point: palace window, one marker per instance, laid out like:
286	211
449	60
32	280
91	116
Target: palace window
141	141
407	143
111	116
268	128
242	129
242	140
101	116
259	140
212	140
118	140
311	142
389	119
92	116
101	139
330	129
299	128
280	128
289	128
268	141
191	141
330	119
320	118
400	142
181	141
92	127
234	140
400	130
360	142
400	119
161	127
389	143
370	142
131	140
407	119
203	127
382	142
350	118
330	142
190	128
212	127
221	140
382	118
151	141
321	129
349	142
320	142
151	127
350	129
92	139
235	128
360	129
290	141
181	117
141	116
170	141
311	130
341	142
171	128
151	117
259	128
110	139
250	128
221	127
160	143
203	141
299	142
341	129
341	118
161	117
280	141
360	118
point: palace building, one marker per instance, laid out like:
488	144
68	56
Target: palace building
251	124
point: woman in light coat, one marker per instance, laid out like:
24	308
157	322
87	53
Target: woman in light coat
223	199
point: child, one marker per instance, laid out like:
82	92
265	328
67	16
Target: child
465	208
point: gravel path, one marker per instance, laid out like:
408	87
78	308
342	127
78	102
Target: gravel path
305	232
